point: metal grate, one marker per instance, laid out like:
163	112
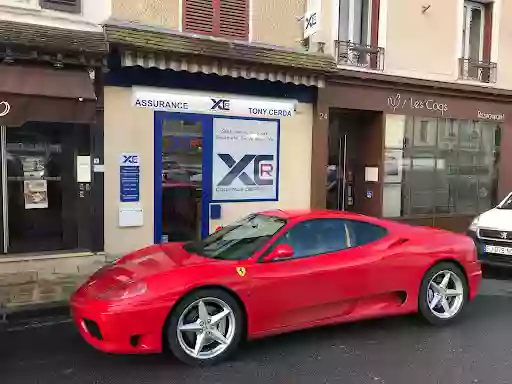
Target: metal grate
495	234
481	71
359	55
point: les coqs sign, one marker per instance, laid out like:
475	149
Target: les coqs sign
219	105
5	108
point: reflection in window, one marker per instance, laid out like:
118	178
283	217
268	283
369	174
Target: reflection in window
182	175
444	166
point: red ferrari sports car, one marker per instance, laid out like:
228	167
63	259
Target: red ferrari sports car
269	273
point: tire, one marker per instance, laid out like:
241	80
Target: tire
428	293
184	344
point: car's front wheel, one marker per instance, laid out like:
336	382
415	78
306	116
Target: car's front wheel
443	293
205	327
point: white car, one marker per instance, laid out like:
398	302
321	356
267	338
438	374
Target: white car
492	233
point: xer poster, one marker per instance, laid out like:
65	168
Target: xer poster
245	160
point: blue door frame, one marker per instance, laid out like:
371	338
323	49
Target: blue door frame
206	123
207	166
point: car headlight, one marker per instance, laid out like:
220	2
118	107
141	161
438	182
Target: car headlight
124	291
474	224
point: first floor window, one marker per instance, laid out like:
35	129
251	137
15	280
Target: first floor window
355	21
221	18
473	31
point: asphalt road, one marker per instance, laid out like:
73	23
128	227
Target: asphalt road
477	349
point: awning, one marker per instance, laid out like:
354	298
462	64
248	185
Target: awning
219	67
45	94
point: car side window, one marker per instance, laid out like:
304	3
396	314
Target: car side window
315	237
362	233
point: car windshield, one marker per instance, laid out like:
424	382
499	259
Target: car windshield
240	240
507	204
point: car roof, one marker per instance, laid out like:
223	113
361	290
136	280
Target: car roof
311	214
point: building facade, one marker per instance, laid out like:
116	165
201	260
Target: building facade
216	104
198	113
416	124
51	127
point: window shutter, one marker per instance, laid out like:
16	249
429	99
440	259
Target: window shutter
73	6
234	19
198	16
223	18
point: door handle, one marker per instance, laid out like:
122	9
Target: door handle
398	242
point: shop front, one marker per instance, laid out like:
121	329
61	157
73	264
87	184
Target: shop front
180	162
418	155
46	115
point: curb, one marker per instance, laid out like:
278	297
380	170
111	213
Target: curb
34	312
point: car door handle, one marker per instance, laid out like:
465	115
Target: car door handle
398	242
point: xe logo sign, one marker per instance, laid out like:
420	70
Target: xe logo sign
220	105
128	160
262	172
311	21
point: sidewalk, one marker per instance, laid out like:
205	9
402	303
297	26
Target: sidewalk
44	281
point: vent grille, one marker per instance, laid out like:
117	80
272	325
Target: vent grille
198	16
233	19
73	6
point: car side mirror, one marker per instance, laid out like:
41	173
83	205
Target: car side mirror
281	252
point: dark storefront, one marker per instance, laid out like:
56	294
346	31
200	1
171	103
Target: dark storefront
51	126
421	155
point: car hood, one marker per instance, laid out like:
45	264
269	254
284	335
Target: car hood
147	262
499	219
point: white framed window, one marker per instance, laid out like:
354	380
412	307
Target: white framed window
355	21
473	31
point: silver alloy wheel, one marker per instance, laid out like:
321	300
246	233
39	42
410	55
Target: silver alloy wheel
206	328
445	295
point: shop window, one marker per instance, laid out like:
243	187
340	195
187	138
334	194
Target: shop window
220	18
445	166
72	6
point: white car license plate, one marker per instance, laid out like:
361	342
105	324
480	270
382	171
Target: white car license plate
497	249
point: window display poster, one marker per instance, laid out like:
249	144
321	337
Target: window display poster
245	160
35	194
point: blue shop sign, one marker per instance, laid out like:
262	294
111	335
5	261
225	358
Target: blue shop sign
129	178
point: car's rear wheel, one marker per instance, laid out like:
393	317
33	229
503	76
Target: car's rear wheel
443	293
205	327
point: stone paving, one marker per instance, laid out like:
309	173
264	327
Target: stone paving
44	281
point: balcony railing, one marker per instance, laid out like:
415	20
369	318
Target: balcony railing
358	55
470	69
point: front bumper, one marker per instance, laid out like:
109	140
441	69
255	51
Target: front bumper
127	330
496	260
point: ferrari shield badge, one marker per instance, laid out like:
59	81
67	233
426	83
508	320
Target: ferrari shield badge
241	271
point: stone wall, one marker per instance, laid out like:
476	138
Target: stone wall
44	280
